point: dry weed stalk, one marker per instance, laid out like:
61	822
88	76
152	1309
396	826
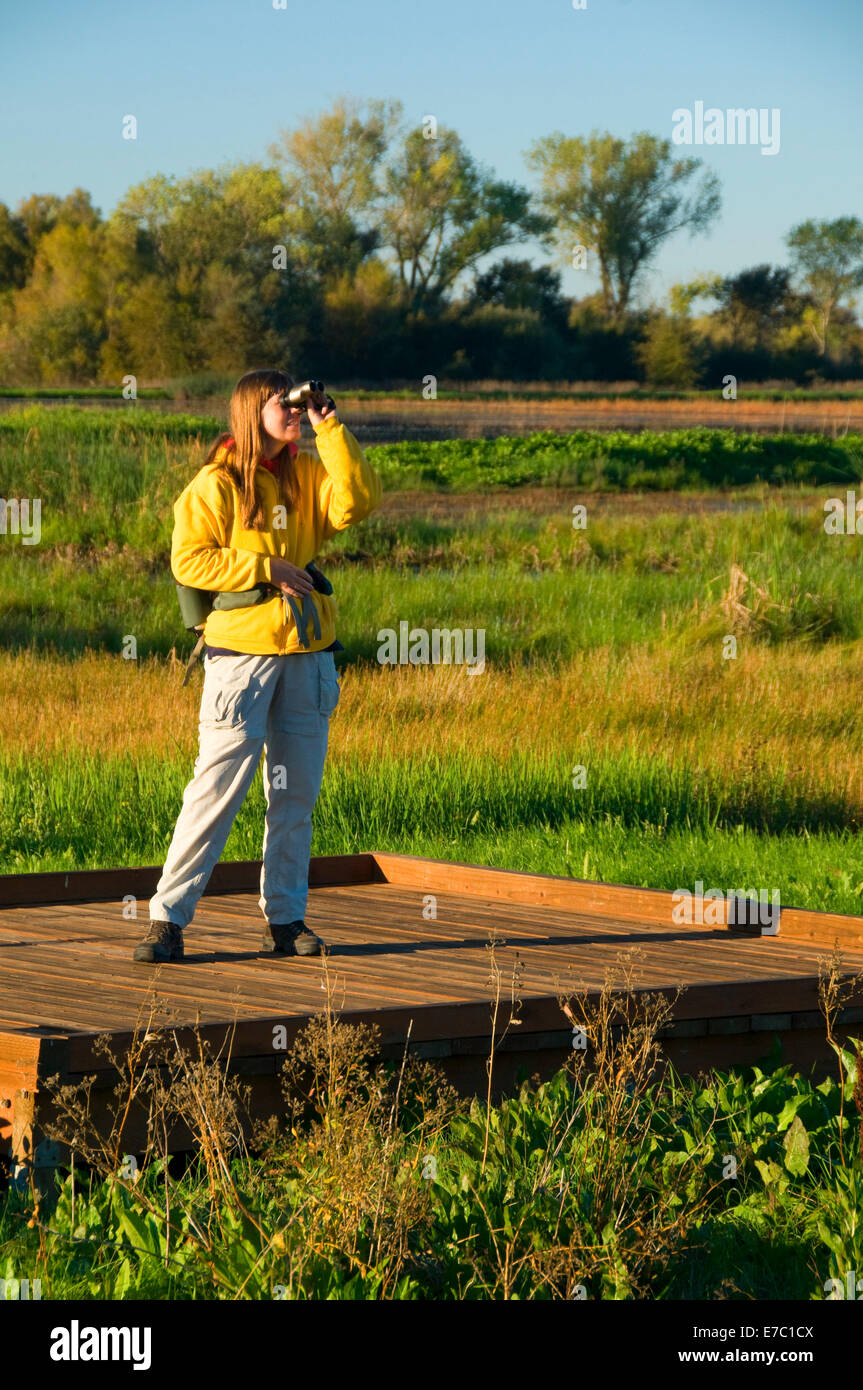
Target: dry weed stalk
74	1124
748	608
609	1127
836	986
359	1170
741	616
515	1004
358	1159
176	1090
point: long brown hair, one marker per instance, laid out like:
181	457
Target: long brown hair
248	399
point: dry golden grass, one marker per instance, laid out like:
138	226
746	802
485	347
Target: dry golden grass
792	706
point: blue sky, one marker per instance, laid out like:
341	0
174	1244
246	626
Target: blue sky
216	80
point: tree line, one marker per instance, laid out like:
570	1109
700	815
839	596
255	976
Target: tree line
361	251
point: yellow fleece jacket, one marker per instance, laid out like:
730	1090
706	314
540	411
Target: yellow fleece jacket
210	548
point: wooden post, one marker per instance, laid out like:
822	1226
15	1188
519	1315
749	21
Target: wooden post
25	1060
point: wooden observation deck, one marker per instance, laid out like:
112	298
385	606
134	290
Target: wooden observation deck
407	941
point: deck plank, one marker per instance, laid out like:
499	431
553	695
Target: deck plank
67	966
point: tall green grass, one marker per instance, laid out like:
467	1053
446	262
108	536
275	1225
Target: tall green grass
537	587
639	820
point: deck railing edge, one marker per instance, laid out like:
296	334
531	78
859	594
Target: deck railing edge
624	900
97	885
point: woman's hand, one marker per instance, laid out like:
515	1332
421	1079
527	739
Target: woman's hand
318	416
289	578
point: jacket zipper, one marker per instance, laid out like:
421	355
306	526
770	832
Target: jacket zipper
283	648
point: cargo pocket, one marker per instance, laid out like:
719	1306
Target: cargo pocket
232	692
329	690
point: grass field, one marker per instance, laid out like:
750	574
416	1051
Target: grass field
605	646
607	650
693	769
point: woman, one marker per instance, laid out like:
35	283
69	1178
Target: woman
257	513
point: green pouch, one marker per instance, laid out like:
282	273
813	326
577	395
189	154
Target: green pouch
197	604
246	598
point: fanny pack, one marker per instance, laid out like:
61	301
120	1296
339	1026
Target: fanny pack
197	604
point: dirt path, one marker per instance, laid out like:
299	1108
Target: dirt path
475	419
547	501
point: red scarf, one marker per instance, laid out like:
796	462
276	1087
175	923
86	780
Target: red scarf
272	464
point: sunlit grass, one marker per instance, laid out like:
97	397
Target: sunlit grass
606	648
538	586
693	767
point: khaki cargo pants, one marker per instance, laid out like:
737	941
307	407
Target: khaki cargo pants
280	705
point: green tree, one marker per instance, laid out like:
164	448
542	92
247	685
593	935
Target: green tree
22	231
621	201
55	325
756	304
332	166
668	353
234	214
516	284
361	325
41	213
670	349
204	274
237	327
15	251
682	296
156	337
827	259
442	214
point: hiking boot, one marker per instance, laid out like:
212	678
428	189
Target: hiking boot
164	941
295	939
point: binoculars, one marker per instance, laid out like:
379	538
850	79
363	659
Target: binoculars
299	396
